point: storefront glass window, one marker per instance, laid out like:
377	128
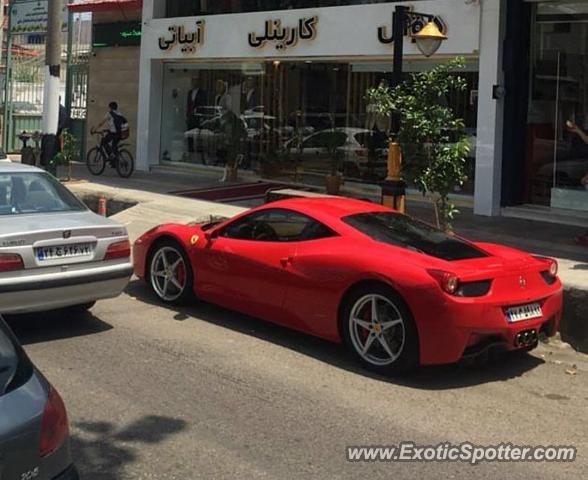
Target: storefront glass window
557	122
288	120
181	8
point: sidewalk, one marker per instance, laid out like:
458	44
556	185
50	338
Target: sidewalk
149	193
152	191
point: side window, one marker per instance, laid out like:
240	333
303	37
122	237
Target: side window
316	141
242	229
276	225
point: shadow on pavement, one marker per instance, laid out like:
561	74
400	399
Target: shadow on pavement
102	450
56	325
498	368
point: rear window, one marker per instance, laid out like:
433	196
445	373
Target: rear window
15	368
402	231
26	193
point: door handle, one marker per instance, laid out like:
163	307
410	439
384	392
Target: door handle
286	261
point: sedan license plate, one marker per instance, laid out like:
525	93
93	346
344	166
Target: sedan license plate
60	252
524	312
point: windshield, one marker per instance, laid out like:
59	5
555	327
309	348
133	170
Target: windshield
36	192
403	231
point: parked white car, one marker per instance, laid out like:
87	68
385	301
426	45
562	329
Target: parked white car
54	252
354	149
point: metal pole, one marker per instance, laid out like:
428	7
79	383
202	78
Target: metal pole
69	73
1	29
399	25
7	81
556	120
49	146
393	187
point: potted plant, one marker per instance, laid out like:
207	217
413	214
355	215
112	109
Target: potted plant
334	141
433	140
61	164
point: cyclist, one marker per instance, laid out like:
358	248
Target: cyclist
117	127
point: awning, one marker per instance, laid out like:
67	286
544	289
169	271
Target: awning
103	5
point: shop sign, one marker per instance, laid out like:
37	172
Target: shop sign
30	17
415	23
188	42
312	32
121	34
285	37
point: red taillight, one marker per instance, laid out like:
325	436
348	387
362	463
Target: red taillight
10	262
118	250
553	267
551	262
448	281
54	427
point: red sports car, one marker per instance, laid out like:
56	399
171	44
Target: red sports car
397	292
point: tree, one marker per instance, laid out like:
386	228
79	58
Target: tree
69	153
433	140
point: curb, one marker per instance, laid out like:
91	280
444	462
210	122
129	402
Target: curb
574	324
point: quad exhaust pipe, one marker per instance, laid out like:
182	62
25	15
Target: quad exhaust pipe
527	338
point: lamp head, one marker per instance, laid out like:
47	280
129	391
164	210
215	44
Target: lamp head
429	39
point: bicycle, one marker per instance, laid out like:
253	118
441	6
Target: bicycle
97	158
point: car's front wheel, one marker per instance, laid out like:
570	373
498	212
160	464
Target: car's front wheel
170	273
378	329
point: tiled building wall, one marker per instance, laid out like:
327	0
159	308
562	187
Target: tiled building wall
114	76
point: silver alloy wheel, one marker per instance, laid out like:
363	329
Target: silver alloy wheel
168	274
377	330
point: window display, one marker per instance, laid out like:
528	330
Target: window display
557	122
287	120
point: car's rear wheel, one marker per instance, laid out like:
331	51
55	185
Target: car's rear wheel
125	165
170	273
378	329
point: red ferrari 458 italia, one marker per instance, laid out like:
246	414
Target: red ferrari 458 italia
397	292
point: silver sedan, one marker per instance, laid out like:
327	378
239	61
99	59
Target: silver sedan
54	252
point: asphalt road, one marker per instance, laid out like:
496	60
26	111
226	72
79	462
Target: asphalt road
155	393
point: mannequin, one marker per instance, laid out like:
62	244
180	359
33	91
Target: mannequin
196	98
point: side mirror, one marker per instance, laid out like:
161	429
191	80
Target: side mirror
210	235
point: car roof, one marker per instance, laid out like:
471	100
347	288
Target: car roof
349	131
11	167
333	207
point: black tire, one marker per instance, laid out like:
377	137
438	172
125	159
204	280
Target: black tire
407	354
186	295
95	161
125	164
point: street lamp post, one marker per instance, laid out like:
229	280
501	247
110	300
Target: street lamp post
428	36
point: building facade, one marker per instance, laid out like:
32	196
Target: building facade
545	148
273	84
113	66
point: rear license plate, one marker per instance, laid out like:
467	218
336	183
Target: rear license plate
524	312
60	252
